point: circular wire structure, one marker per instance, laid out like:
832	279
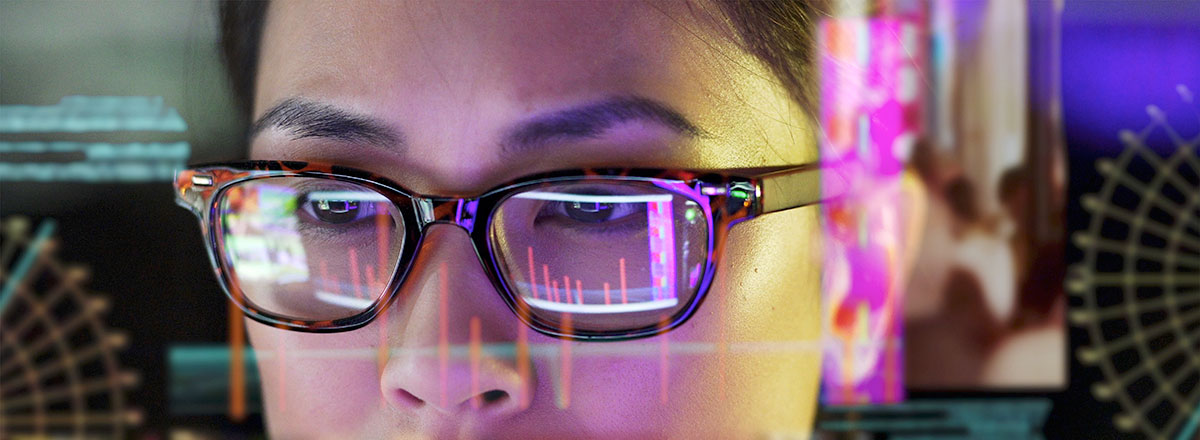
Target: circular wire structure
59	371
1137	289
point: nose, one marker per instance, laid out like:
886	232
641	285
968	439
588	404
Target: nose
447	312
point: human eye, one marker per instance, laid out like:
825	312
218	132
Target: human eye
341	210
592	210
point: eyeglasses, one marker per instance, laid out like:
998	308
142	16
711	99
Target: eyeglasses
596	254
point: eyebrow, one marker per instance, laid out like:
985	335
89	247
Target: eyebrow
308	119
304	118
593	119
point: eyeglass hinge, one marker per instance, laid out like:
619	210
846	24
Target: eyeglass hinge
425	207
202	180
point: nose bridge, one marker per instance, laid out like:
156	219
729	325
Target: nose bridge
447	210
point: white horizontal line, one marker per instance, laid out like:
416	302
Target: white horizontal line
642	306
356	196
344	301
593	198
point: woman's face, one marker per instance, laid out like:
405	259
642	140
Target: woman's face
450	82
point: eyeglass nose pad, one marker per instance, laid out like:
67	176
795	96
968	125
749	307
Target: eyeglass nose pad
460	212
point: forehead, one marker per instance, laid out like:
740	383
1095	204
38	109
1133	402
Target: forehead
530	47
471	67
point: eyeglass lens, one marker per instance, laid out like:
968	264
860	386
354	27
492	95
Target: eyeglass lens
601	257
595	256
308	248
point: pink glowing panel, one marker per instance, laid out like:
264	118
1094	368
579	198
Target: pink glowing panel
872	98
660	217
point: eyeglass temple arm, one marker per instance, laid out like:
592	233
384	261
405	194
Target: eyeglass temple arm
802	186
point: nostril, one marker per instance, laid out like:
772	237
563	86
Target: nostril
494	396
408	399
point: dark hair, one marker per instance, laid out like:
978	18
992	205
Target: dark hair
781	34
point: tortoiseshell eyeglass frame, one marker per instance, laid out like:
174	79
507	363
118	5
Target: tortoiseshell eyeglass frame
727	198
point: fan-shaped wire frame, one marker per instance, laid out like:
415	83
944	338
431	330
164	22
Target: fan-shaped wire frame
1179	288
25	395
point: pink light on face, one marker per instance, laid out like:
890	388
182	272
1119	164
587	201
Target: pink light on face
532	274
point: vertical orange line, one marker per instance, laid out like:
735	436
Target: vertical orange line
607	301
382	352
523	367
546	277
624	299
532	274
237	366
579	291
555	284
565	359
889	370
476	352
354	273
567	288
847	378
443	333
378	285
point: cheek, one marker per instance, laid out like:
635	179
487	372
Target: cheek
764	313
768	282
302	374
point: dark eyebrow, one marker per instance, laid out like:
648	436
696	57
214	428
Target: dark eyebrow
304	118
307	119
593	119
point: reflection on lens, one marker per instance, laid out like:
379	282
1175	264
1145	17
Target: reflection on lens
308	248
612	255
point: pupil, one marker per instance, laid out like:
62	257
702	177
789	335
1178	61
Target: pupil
335	211
589	212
